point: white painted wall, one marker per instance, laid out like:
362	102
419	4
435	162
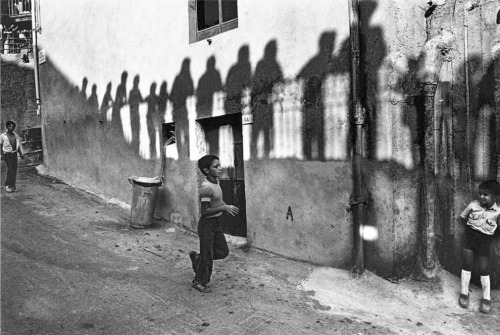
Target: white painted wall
99	40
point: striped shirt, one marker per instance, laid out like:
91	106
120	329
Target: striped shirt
211	193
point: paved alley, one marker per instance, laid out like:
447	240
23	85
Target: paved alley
71	264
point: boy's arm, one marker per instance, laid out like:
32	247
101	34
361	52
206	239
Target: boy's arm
1	145
464	216
206	210
19	147
497	231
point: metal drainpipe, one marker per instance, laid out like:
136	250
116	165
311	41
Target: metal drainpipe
358	199
467	92
35	53
429	92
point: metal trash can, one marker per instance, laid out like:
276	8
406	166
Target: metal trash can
144	194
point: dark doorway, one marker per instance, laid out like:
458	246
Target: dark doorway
224	138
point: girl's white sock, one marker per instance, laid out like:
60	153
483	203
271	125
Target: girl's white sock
465	280
485	283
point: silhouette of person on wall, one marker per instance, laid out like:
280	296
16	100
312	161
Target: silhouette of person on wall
373	52
162	100
314	74
93	101
82	98
107	100
267	74
83	92
182	88
153	118
484	112
210	82
73	103
120	101
238	79
134	100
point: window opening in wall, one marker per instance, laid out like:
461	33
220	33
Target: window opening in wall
169	146
224	138
168	132
208	18
207	13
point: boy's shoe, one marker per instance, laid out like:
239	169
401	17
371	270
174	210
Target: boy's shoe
14	189
463	301
485	306
201	288
9	189
194	259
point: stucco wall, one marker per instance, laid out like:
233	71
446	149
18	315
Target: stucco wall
297	152
392	37
18	99
18	92
467	115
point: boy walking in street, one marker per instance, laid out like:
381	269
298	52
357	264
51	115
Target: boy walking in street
482	219
213	244
10	146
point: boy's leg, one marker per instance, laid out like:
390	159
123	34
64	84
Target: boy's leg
205	258
14	171
483	264
221	250
468	261
9	162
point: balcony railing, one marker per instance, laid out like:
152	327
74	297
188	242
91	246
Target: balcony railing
16	45
20	10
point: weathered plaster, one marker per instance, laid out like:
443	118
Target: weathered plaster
297	151
467	118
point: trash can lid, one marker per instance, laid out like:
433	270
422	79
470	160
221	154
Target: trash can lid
145	181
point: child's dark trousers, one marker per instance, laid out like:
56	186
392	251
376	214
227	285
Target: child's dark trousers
213	246
11	163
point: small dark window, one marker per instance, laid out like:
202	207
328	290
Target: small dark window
168	132
229	10
208	18
207	13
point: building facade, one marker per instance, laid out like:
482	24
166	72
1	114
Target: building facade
146	88
18	93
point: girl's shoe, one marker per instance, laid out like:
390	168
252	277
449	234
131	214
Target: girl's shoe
463	301
485	306
14	189
9	189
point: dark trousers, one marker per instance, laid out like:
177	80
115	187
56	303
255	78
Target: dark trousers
11	162
213	246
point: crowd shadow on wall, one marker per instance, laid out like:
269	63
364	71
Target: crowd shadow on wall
305	133
266	101
267	89
464	141
267	86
